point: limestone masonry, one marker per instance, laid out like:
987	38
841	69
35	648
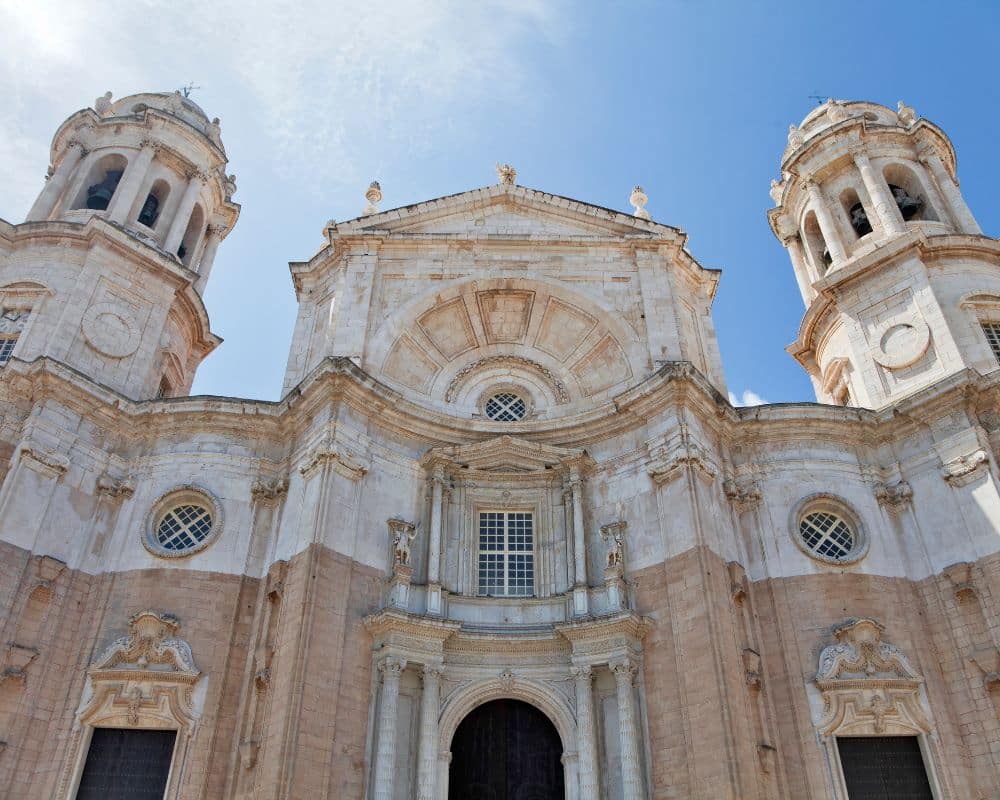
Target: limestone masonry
503	536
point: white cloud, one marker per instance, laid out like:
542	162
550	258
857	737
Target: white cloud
748	398
332	89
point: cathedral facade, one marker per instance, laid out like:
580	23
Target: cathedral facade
503	536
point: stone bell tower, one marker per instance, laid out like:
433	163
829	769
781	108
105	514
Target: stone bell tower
900	285
106	275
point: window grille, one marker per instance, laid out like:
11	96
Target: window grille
184	527
827	534
505	407
506	554
992	331
6	348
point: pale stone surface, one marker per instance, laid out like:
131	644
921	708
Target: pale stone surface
676	622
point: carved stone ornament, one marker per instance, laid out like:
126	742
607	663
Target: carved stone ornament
893	497
111	329
557	386
669	464
905	114
744	495
507	174
614	542
776	190
868	686
344	463
836	111
115	488
638	199
963	470
102	105
42	460
795	137
268	491
960	577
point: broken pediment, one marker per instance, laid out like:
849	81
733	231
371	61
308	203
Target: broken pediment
513	211
506	454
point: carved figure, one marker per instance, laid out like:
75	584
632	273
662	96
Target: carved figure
214	131
102	105
906	115
795	137
403	534
507	174
614	540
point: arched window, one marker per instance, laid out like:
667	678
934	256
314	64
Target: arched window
101	183
856	213
909	194
193	234
816	244
149	214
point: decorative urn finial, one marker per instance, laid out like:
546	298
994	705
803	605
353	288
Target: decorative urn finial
638	199
374	197
907	116
507	174
795	137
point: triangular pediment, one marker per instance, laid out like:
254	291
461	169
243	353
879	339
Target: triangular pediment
512	211
508	454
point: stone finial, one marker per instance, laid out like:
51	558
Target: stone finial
835	111
795	137
102	105
776	189
507	174
906	115
229	185
374	197
214	131
638	199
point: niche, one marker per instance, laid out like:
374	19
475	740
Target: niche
907	191
101	183
856	212
149	214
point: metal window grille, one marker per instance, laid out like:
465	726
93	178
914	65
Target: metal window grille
6	348
827	534
992	331
184	527
506	554
505	407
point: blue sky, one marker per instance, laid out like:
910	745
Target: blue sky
690	99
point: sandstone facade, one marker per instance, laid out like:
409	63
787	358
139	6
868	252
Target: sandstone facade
702	599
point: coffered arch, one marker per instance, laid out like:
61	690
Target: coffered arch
562	345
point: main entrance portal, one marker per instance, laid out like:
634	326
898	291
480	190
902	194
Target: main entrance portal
506	750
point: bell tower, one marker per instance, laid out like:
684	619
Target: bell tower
901	287
107	273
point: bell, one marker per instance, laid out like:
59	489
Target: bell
99	195
181	251
908	206
147	216
859	220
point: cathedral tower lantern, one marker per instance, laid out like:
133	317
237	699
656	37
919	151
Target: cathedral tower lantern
900	285
138	196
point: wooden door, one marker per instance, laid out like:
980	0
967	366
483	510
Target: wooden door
506	750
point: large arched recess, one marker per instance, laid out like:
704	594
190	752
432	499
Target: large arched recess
568	343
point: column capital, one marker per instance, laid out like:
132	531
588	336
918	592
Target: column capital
859	154
624	669
432	671
150	144
582	673
77	143
392	667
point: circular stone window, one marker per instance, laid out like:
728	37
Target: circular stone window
505	407
828	532
183	522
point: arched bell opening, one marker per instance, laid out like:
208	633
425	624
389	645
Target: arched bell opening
857	214
506	749
819	253
101	183
195	229
154	204
909	194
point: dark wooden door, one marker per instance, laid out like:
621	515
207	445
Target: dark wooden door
506	750
883	768
127	765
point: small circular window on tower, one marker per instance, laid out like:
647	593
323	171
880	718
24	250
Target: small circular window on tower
505	407
183	522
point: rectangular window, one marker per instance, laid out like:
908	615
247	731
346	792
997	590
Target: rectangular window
992	331
127	765
506	554
883	767
6	347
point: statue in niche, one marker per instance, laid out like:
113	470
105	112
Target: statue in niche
403	534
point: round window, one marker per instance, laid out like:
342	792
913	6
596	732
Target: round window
505	407
183	522
826	529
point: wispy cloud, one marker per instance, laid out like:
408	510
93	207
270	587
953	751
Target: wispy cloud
327	84
748	398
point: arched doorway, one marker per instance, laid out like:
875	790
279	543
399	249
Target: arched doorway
506	750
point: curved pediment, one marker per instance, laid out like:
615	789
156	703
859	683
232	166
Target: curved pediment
506	454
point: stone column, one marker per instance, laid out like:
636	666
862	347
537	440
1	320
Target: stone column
961	212
182	216
827	225
56	183
878	190
213	236
800	266
427	754
131	182
434	541
444	769
632	781
586	743
385	754
580	598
